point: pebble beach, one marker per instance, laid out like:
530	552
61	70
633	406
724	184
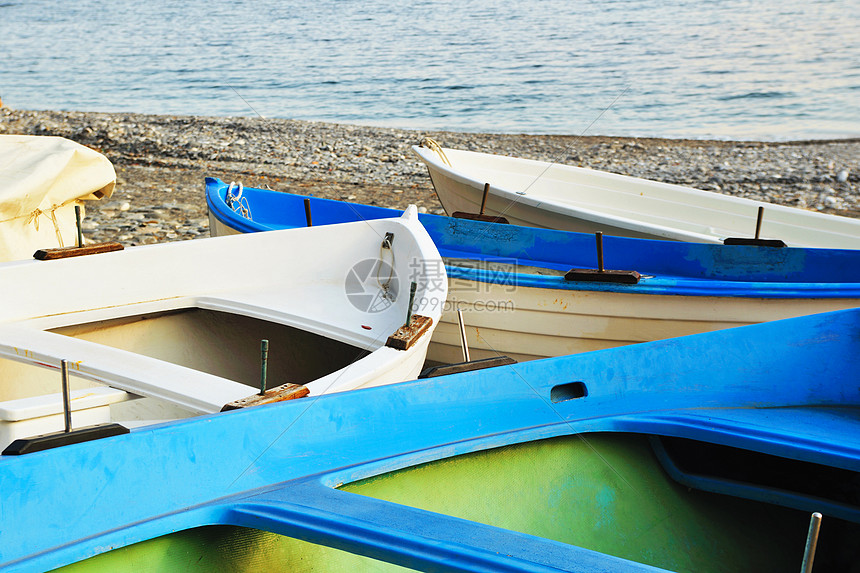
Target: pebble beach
161	161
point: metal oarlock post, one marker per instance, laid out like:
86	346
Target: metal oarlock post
308	212
67	401
78	224
758	219
463	343
480	216
411	302
811	543
67	435
599	237
600	274
757	240
484	198
264	364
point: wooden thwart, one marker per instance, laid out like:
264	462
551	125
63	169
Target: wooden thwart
66	252
277	394
406	335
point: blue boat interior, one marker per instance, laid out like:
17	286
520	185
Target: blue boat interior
540	257
749	412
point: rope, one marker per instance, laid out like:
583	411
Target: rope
433	146
385	286
238	203
34	218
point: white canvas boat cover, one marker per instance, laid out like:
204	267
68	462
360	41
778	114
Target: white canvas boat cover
42	178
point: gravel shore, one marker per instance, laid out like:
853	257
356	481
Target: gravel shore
161	162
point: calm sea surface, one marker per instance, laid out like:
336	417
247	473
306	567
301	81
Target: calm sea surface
730	69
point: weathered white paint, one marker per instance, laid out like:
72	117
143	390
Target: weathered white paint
527	323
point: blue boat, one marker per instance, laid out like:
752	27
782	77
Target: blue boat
518	297
700	453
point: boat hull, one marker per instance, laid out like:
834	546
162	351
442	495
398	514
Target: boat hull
527	323
556	196
464	196
218	228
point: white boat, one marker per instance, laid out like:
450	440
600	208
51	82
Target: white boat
42	180
181	324
554	196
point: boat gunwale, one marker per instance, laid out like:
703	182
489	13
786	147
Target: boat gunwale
692	191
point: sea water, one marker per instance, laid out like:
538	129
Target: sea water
729	69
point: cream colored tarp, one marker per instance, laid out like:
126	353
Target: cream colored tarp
42	178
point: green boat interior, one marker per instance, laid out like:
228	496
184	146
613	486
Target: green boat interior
606	492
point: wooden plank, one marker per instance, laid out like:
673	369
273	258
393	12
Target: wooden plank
278	394
479	217
406	335
66	252
752	242
606	276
